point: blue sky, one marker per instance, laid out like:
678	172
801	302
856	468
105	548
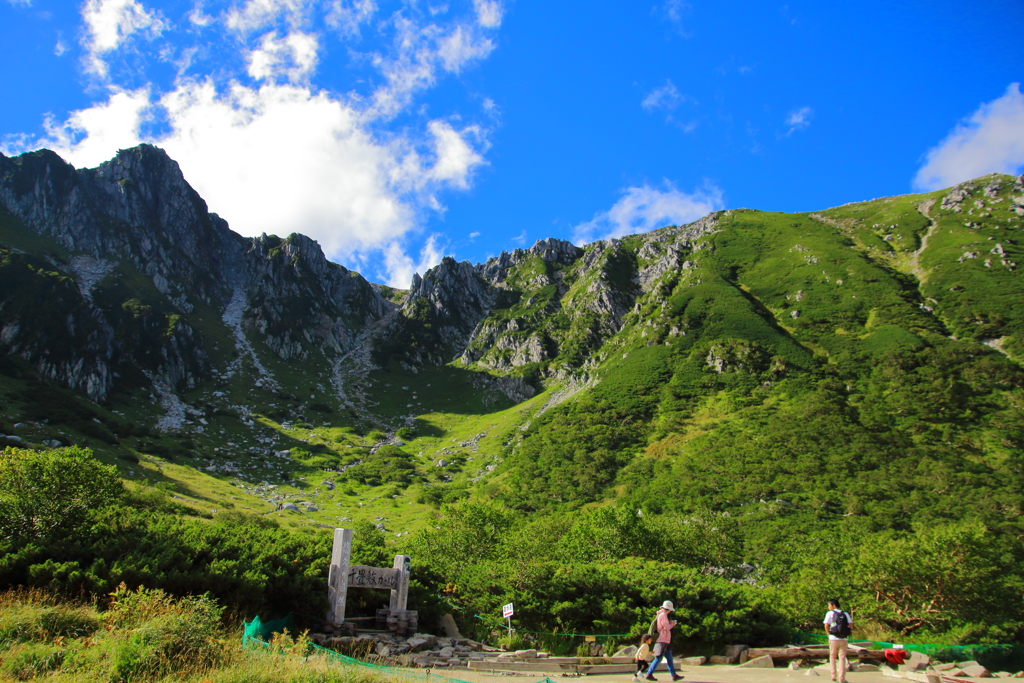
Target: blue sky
398	132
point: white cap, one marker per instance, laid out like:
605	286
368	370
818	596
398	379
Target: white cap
668	605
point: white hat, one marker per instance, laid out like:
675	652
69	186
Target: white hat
668	605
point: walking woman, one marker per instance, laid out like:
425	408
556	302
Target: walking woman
663	645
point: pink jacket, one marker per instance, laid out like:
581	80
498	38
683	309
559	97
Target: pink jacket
664	627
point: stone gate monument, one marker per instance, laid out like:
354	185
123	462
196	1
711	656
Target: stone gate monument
344	575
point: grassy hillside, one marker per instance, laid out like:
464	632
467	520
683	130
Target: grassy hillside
851	375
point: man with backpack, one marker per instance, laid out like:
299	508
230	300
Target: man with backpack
838	626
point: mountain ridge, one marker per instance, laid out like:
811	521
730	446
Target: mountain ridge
569	371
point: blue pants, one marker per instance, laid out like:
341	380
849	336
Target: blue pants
668	660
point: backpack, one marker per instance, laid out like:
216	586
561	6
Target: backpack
840	626
653	630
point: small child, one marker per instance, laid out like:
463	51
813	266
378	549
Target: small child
643	656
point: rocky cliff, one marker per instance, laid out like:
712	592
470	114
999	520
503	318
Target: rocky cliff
150	262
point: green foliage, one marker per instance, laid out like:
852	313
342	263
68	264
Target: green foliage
44	494
945	583
606	571
30	660
27	616
246	561
163	634
386	465
941	579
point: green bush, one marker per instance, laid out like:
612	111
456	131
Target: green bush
161	633
387	465
52	492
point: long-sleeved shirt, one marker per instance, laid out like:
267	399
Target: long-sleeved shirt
664	627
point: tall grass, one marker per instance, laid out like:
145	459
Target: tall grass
148	636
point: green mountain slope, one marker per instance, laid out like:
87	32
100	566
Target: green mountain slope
853	373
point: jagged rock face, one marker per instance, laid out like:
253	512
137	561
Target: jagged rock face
458	298
296	295
29	288
137	214
552	304
546	309
135	206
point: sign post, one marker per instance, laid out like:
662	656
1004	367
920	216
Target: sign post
507	611
337	579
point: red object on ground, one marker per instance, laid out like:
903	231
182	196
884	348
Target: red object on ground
896	657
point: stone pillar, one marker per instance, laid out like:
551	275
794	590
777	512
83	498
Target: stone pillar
400	593
337	579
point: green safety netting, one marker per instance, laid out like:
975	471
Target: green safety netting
256	632
992	657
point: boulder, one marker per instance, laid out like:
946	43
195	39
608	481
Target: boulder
526	654
794	665
920	660
735	650
722	659
762	662
976	671
948	666
811	672
691	661
447	652
419	642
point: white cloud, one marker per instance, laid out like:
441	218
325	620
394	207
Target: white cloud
473	235
799	119
199	18
666	97
455	158
89	136
61	47
520	238
347	15
461	47
989	140
401	267
259	14
641	209
488	13
420	50
111	22
674	11
21	3
292	57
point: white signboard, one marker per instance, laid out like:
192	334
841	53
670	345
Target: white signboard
507	611
360	576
